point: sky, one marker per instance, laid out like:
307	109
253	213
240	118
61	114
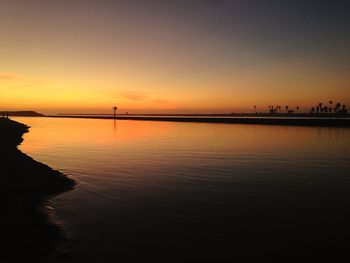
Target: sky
165	56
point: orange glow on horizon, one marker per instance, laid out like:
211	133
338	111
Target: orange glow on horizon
230	94
86	57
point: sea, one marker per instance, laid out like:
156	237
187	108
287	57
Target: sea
193	192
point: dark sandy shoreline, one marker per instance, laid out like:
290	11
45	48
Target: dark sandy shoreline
273	120
26	186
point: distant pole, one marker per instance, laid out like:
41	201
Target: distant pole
115	111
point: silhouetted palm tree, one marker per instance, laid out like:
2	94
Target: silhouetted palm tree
297	108
254	108
287	107
320	105
337	107
342	109
330	106
115	111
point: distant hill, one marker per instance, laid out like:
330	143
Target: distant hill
24	113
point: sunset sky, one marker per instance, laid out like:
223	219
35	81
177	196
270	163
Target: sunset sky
182	56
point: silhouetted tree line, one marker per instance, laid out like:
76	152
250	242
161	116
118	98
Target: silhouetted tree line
279	109
321	108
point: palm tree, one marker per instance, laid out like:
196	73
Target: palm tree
287	108
342	110
254	108
271	110
320	105
337	107
115	111
330	106
297	108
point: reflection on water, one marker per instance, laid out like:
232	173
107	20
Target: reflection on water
192	191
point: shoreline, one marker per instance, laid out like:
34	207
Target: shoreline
26	189
273	120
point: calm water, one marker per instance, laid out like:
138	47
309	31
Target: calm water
175	191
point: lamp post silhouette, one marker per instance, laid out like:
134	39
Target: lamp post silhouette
115	111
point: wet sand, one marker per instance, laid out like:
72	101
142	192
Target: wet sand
28	233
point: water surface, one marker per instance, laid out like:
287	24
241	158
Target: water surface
176	191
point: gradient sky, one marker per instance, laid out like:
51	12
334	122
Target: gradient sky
165	56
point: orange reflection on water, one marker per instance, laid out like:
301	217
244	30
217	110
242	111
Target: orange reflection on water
68	134
85	131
